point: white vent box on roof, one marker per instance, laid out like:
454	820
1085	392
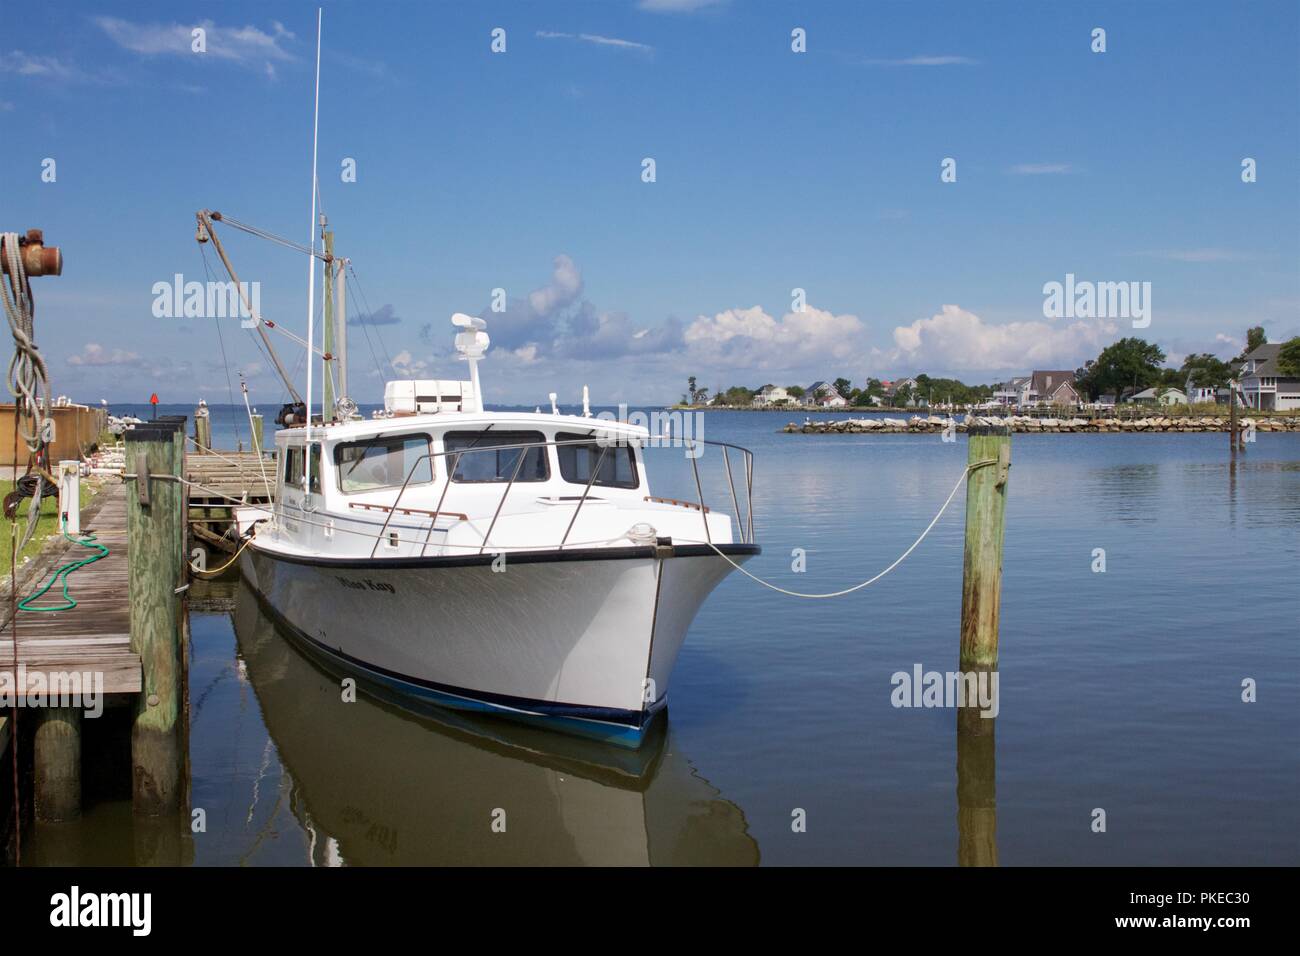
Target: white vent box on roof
412	396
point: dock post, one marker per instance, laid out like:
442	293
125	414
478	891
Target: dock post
981	584
257	433
56	753
156	541
203	431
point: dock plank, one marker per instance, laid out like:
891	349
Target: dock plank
95	636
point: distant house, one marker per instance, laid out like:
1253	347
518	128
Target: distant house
1053	388
1197	394
1263	386
1159	396
896	386
772	395
825	395
1105	401
1014	392
1038	388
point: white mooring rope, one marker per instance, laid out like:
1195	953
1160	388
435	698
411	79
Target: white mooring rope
858	587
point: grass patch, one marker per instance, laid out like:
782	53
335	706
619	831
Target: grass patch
46	525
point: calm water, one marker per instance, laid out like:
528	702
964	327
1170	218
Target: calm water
1119	690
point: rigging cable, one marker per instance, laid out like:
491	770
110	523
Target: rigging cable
221	339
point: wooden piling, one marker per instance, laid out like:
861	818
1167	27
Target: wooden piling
156	533
1232	415
202	433
257	433
981	586
56	752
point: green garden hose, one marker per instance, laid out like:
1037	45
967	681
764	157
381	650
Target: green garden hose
64	571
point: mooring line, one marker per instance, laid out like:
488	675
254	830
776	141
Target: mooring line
858	587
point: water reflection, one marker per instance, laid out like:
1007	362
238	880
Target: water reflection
372	784
977	793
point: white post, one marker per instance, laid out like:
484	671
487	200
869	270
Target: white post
70	495
474	386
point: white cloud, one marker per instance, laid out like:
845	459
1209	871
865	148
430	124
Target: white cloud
564	288
955	340
676	6
1198	255
925	60
596	39
95	354
44	68
408	366
247	45
1040	169
741	338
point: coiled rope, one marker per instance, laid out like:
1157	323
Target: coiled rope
29	378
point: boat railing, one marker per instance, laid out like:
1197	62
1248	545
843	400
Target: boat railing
694	447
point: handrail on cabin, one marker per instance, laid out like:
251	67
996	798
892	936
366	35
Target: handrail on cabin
745	526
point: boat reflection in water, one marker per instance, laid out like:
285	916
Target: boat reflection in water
376	785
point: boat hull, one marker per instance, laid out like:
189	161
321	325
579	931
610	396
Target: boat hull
582	641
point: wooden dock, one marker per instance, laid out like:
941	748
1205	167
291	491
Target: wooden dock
214	479
217	477
95	635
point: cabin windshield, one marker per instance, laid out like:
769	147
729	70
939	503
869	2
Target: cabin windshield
617	466
498	465
383	462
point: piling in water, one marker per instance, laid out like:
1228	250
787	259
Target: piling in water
981	585
156	541
56	753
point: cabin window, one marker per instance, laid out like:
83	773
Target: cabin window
383	462
497	464
313	455
617	468
293	466
294	463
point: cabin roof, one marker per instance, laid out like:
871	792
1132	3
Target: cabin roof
451	421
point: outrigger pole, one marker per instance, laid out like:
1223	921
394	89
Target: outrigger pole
206	231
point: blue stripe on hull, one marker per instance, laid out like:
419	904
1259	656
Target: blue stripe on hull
627	728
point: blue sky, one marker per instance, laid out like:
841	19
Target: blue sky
775	170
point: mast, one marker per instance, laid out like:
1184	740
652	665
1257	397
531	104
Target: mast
347	408
327	343
311	271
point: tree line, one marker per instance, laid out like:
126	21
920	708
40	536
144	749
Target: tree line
1130	365
1133	365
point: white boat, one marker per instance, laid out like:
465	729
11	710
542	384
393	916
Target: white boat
507	562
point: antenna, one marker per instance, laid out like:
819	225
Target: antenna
472	344
555	409
311	267
586	402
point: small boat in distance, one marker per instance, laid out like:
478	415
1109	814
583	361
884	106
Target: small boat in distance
515	563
